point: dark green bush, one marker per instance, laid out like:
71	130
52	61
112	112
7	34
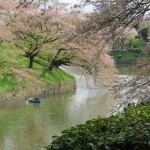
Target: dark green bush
144	33
135	45
136	56
135	50
129	130
119	56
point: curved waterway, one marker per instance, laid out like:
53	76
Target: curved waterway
31	127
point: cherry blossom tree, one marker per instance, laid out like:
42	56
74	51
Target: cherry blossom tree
5	16
86	38
112	18
34	34
34	30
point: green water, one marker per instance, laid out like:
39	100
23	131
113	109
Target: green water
30	127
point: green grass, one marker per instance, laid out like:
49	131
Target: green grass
127	70
11	57
125	55
55	76
22	61
8	82
8	55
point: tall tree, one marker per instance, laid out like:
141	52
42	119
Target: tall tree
110	19
35	33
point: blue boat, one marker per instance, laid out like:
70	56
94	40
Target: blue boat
34	100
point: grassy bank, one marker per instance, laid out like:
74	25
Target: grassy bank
126	61
15	77
127	130
127	70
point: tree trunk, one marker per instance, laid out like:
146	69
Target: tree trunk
31	61
53	64
50	68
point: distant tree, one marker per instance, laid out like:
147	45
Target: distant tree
96	32
111	22
135	44
144	34
115	15
123	40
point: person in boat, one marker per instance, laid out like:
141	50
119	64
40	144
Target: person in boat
36	98
30	98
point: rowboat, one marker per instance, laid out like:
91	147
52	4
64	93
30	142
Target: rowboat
34	100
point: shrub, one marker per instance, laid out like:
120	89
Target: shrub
129	130
144	33
136	44
119	56
136	55
135	50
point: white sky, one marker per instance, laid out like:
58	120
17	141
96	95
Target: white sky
68	1
88	8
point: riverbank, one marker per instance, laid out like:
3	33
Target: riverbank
18	82
57	112
127	130
126	93
23	93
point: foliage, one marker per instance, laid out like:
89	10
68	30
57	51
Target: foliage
144	34
118	12
135	50
124	55
111	18
118	43
90	35
135	45
13	59
144	25
35	29
62	57
119	56
128	130
35	33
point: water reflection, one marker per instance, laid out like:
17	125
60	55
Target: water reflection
31	126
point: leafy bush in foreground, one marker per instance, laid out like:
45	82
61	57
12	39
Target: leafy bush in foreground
129	130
